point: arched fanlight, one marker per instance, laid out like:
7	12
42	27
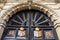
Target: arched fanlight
32	18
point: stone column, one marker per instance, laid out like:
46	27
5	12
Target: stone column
1	31
58	32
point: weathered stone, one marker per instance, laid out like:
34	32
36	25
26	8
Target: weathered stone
17	1
58	32
1	31
49	13
43	1
3	1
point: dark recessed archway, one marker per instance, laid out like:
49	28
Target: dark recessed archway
29	20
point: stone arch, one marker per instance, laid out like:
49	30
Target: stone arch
8	13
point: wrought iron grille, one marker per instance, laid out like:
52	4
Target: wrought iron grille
36	25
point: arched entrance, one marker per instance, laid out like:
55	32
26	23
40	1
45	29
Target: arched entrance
29	25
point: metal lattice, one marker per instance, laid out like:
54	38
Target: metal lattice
29	19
